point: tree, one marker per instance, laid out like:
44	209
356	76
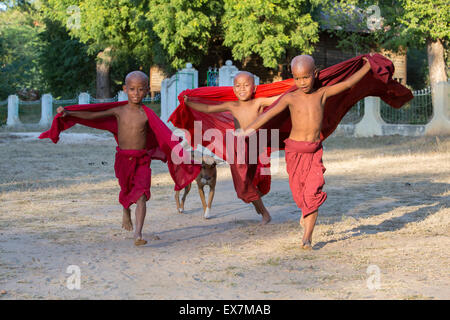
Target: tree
428	22
112	29
186	28
271	29
67	69
19	52
396	24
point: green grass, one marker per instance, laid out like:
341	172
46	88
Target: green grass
155	106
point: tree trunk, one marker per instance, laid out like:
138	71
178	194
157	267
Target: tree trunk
103	74
436	62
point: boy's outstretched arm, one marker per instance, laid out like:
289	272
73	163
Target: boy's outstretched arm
206	108
348	83
88	115
263	118
264	102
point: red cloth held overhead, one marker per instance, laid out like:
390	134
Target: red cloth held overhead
160	145
305	169
378	83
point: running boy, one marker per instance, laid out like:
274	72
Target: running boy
303	149
244	112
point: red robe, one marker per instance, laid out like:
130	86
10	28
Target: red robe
159	139
251	180
132	168
305	169
378	83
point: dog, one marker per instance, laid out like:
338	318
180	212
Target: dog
206	177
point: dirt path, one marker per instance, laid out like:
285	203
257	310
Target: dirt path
387	211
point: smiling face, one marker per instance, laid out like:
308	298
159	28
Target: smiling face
304	72
136	87
244	86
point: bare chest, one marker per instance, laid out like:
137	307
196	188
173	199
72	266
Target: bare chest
243	117
309	106
133	120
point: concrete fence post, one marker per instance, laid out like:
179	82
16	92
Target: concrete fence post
371	124
439	123
46	109
186	78
84	98
228	72
13	111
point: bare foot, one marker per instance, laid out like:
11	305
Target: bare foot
139	242
306	245
127	224
266	218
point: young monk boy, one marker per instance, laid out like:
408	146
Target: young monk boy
303	149
244	112
132	165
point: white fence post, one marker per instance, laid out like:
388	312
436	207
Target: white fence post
439	123
228	72
371	124
256	80
13	111
84	98
46	109
122	96
186	78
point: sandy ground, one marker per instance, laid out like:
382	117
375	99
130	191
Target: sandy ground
383	232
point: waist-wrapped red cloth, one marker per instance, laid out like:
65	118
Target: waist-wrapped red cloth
132	168
250	171
305	169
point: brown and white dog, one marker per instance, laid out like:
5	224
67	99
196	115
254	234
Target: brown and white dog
206	177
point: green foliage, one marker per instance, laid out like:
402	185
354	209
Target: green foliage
185	27
269	28
426	19
172	32
67	69
19	52
404	24
120	25
359	25
407	23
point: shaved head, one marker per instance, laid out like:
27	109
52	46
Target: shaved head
136	75
244	74
304	62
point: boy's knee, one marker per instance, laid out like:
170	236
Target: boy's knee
142	199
